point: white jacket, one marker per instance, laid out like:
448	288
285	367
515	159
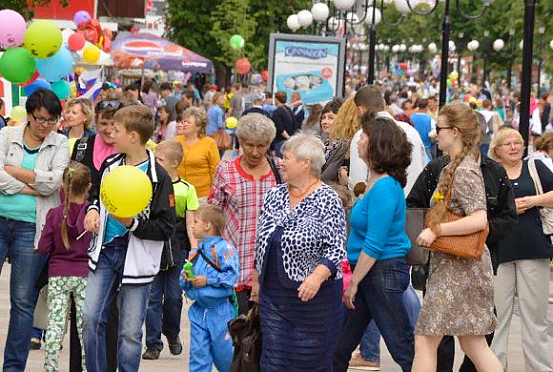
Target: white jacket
51	161
358	171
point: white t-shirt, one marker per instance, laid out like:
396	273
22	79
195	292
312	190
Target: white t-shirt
359	172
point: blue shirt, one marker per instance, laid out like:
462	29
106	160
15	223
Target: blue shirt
21	207
423	124
114	228
216	119
378	223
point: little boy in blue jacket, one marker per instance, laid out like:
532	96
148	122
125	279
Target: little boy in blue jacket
215	272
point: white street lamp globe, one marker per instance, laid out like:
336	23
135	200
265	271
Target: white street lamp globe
320	12
293	22
402	48
498	45
432	48
352	18
333	24
473	45
395	48
403	8
377	16
387	47
305	18
451	45
551	44
343	4
521	45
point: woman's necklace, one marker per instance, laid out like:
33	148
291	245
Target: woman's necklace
301	195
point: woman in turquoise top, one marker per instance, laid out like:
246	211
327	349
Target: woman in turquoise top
32	159
377	247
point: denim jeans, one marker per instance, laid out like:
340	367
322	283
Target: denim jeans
370	343
165	307
101	291
37	333
17	242
380	297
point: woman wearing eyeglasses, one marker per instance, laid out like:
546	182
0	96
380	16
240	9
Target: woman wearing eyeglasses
524	256
32	160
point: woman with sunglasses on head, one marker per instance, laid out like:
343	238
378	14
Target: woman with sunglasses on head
524	255
32	160
459	291
92	151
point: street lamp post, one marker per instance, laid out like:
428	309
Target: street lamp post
472	46
485	55
459	50
510	71
526	83
541	31
446	31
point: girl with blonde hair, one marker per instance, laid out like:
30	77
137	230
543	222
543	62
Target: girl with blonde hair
459	292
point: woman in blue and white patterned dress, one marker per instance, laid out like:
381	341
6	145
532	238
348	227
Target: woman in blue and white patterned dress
300	245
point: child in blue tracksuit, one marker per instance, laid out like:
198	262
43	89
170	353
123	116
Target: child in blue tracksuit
215	270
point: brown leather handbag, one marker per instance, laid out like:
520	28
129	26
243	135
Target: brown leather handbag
464	246
223	139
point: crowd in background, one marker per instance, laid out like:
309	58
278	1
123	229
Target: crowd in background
303	212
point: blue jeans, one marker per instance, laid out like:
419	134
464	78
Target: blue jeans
17	242
484	148
164	309
370	343
37	333
380	297
101	291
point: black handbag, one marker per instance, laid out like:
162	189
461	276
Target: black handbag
246	338
414	224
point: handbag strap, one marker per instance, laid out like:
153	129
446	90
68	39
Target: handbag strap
535	176
274	169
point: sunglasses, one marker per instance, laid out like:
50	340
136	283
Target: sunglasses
439	129
113	104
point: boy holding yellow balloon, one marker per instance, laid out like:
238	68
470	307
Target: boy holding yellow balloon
131	218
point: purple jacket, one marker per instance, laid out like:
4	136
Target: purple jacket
66	262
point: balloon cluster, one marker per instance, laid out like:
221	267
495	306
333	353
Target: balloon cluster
242	65
90	38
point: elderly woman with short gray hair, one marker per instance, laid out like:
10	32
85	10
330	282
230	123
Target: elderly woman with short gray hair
238	189
300	245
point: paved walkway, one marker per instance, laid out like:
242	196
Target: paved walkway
169	363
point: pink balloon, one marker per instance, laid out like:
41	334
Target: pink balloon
12	28
81	16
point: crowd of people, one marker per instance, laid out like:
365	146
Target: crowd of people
303	214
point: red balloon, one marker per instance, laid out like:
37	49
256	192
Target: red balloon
243	66
76	42
32	80
265	75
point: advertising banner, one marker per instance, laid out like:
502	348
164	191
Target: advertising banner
310	65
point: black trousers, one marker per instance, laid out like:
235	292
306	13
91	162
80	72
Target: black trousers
446	356
112	327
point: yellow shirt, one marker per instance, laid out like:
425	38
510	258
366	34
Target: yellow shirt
199	163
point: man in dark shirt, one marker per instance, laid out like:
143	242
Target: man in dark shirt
284	123
502	218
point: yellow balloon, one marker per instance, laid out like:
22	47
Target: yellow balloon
91	54
43	39
126	191
231	122
18	114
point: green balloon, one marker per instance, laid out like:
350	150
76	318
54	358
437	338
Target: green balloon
237	42
17	65
62	89
43	39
